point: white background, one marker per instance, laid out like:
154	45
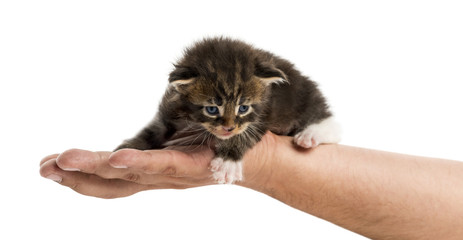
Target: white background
88	74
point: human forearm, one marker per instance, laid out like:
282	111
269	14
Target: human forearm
377	194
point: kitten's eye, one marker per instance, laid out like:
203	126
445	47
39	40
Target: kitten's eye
243	109
212	110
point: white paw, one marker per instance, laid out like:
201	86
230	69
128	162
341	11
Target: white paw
226	171
306	139
326	131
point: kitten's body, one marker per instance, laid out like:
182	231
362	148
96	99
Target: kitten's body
227	92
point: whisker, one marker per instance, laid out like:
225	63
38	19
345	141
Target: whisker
253	134
250	130
257	130
194	140
190	130
210	136
204	138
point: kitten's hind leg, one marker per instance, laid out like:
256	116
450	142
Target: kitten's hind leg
326	131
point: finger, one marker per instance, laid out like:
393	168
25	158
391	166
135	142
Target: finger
48	158
89	184
97	163
82	160
164	162
93	163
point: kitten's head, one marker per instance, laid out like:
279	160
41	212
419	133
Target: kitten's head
224	84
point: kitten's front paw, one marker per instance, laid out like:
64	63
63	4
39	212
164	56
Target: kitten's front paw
327	131
306	139
226	171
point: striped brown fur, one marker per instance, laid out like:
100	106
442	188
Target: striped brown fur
225	74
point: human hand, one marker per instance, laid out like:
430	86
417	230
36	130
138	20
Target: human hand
128	171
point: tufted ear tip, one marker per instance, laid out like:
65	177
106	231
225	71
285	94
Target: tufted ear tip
177	83
269	74
181	73
181	76
273	80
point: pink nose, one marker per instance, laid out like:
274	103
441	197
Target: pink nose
228	129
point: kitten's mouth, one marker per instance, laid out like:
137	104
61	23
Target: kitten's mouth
224	134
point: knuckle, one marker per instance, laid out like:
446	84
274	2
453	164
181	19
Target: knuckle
133	177
75	186
148	169
169	170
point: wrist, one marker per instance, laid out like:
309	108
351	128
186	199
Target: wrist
278	168
261	165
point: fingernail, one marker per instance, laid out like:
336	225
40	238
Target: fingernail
71	169
55	178
119	166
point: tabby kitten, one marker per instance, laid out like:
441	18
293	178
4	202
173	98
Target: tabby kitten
227	92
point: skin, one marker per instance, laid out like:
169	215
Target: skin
377	194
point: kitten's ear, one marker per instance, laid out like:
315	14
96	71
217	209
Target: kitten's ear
181	76
269	74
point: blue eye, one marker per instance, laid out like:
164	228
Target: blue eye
212	110
243	109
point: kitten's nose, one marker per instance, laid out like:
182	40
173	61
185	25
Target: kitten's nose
228	129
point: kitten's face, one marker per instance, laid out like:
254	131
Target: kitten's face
225	110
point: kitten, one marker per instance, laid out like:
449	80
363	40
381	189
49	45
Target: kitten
230	93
